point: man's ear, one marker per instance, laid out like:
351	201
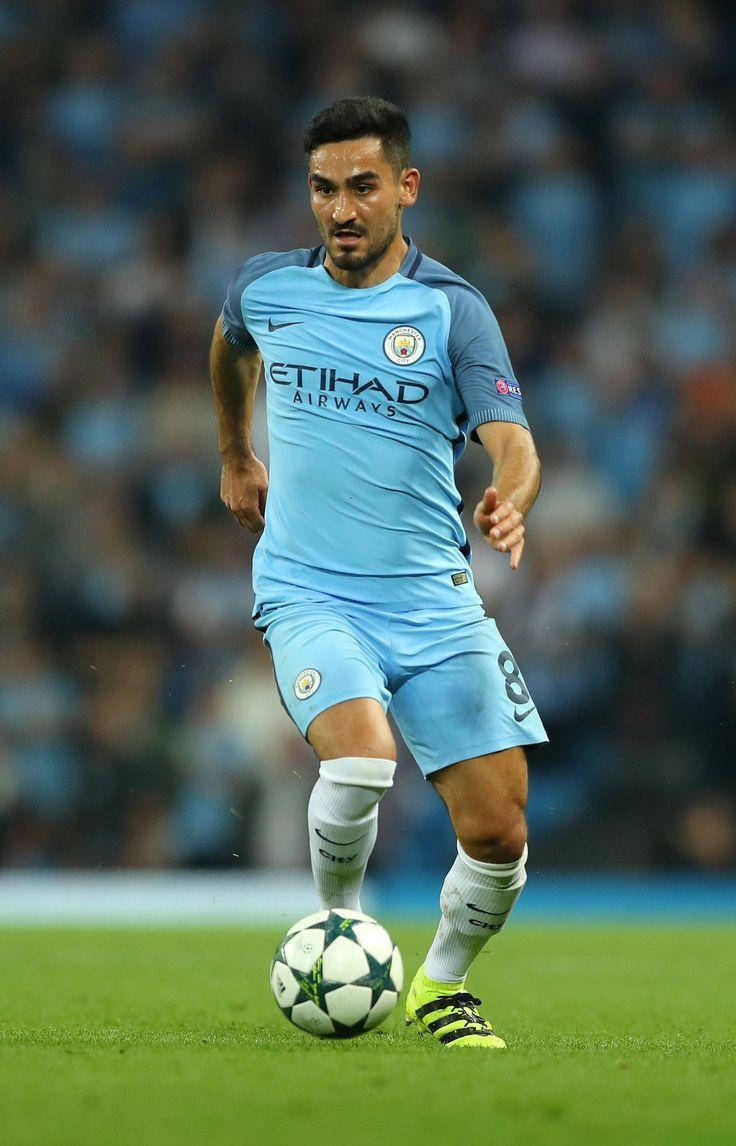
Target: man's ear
409	187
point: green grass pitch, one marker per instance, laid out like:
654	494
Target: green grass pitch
616	1034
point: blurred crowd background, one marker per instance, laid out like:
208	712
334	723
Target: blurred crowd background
579	166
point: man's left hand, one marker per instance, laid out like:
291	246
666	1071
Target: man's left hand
501	524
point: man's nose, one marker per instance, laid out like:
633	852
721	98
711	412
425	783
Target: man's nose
343	211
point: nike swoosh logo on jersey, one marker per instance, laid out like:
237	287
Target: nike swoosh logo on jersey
339	843
518	717
280	325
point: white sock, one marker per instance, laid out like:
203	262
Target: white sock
476	901
343	824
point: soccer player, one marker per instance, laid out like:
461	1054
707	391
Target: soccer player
378	361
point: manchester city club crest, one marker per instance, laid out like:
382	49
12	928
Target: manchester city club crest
404	345
307	682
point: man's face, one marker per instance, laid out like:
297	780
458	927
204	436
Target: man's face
357	197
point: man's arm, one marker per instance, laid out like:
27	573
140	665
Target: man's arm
516	478
244	482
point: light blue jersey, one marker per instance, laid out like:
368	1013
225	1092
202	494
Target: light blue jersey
370	396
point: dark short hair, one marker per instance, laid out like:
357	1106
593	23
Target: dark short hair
357	116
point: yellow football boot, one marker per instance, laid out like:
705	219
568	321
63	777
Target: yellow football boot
449	1013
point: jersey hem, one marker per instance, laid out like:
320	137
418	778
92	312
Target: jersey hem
442	596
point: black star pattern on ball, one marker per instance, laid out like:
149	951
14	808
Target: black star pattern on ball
378	977
336	925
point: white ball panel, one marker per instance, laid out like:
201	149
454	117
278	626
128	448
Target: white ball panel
349	1004
375	939
344	960
307	921
381	1009
283	984
304	948
397	969
310	1018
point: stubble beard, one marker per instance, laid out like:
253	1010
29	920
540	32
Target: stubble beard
352	261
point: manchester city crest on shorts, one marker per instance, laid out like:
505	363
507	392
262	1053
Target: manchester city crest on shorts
404	345
307	682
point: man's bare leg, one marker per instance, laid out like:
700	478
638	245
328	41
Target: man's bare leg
353	728
485	797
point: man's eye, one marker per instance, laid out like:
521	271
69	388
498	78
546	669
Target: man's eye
364	188
323	190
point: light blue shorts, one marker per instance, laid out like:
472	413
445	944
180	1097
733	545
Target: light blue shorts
452	685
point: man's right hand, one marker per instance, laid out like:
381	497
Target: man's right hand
243	488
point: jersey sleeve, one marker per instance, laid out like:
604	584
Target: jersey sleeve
233	319
480	362
234	312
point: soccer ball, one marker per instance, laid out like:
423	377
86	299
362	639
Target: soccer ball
337	973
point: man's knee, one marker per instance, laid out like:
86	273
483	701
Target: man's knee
486	798
493	836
